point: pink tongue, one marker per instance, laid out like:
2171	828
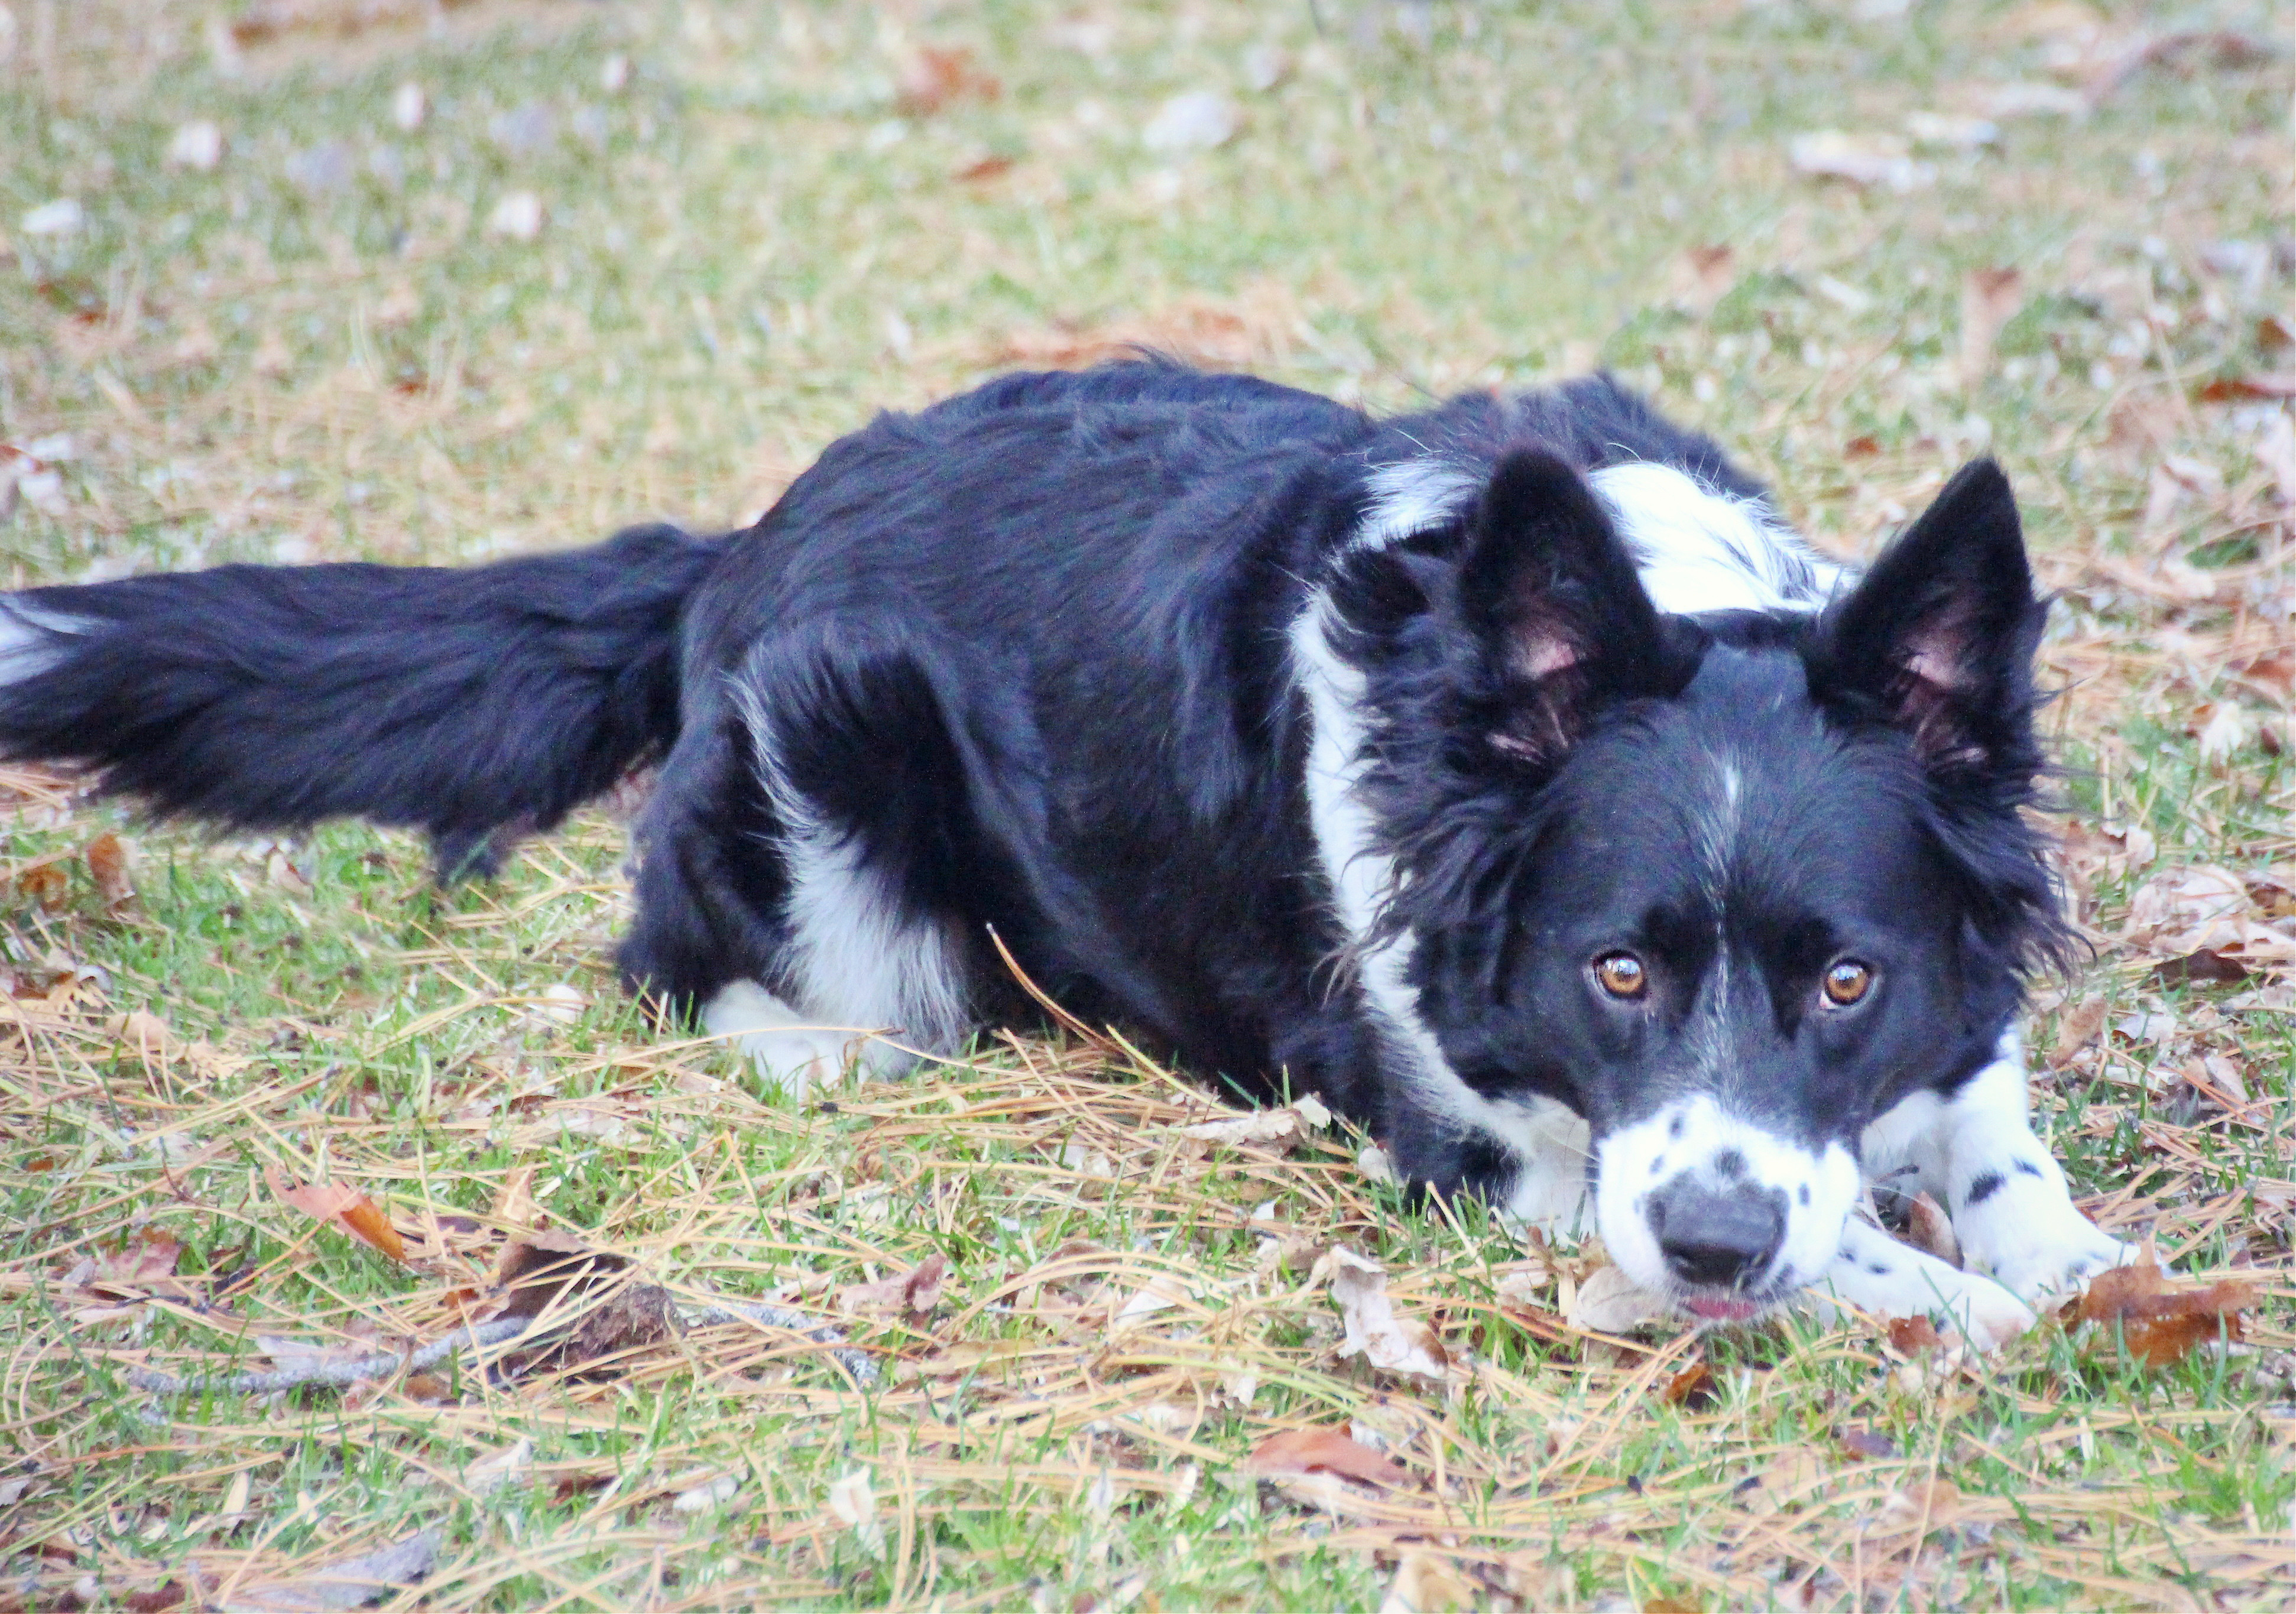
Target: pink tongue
1724	1311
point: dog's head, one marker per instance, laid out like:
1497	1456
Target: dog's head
1727	885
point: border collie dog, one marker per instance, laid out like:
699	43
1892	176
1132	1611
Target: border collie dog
1505	773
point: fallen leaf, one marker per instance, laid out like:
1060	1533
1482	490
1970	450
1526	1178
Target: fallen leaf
1197	120
2275	451
155	1041
1281	1129
1930	1228
2079	1025
351	1583
152	1256
1692	1386
334	1202
409	106
1958	131
1524	1284
2218	1079
1931	1504
44	882
1990	300
2183	910
557	1004
1860	1442
1861	159
1426	1583
107	864
2182	52
1703	275
1910	1336
63	216
2273	895
513	1205
1290	1453
853	1500
981	169
537	1269
934	77
2204	965
913	1293
519	216
2230	389
2159	1324
1610	1302
485	1475
197	146
1374	1331
2025	98
707	1497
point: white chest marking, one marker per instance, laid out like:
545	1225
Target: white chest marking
1549	1140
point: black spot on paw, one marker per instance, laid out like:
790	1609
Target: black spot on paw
1804	1195
1878	1270
1674	1128
1982	1187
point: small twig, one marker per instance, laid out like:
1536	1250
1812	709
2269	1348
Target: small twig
331	1372
766	1315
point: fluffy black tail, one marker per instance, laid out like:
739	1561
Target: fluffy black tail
467	703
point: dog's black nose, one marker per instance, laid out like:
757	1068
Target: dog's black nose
1713	1237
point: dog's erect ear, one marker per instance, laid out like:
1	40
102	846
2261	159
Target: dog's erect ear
1551	592
1940	635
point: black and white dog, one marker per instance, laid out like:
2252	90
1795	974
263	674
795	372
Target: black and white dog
1506	775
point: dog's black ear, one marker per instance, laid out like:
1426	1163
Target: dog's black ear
1940	636
1551	593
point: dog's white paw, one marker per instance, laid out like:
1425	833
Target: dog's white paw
2048	1250
1877	1274
777	1041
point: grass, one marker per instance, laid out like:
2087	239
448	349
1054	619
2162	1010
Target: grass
752	234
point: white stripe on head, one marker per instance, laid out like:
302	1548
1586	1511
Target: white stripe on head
1413	495
1700	550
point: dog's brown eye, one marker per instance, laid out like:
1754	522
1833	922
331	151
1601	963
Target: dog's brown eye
1622	975
1847	982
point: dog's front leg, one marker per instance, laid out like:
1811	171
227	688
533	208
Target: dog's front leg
1975	1153
1876	1273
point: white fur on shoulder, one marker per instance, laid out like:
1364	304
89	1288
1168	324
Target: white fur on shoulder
1548	1141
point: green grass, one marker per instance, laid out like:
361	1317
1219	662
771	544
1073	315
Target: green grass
319	349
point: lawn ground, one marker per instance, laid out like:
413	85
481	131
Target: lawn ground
418	280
